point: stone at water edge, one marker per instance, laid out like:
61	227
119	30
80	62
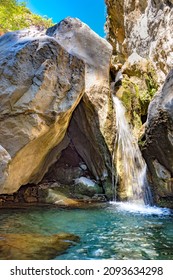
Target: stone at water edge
86	187
34	246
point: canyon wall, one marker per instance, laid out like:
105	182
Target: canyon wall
143	28
142	39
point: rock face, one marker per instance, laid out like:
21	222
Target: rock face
115	27
142	39
93	120
158	145
139	84
144	28
41	84
132	32
54	97
141	35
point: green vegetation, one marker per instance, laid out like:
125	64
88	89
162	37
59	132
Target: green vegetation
138	88
15	16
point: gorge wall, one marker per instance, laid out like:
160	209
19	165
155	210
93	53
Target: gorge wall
142	39
142	28
157	147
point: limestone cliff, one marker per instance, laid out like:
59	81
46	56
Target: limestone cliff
54	95
143	28
142	39
57	120
141	35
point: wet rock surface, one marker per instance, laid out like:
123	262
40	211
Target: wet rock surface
34	246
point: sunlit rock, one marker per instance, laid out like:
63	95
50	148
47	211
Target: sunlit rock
92	123
4	162
56	107
41	84
34	246
142	27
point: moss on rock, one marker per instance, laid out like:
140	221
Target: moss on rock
138	87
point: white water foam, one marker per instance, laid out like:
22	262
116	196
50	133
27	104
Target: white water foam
140	209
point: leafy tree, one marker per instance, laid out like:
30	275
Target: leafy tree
14	16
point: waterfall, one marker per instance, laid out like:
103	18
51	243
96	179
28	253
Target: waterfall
131	167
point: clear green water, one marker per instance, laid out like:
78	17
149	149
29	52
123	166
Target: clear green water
112	231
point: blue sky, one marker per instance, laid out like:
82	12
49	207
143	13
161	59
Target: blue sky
92	12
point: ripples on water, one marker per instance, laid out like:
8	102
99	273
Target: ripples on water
141	209
113	231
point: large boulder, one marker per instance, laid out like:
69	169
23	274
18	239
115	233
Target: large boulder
158	143
41	84
55	105
91	127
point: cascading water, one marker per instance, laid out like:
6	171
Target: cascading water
131	167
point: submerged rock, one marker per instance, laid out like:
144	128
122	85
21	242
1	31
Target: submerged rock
34	246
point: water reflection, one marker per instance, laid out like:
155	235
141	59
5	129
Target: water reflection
111	232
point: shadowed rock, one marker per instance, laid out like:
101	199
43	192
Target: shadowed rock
158	145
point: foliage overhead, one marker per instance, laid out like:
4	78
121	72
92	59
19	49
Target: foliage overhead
15	16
